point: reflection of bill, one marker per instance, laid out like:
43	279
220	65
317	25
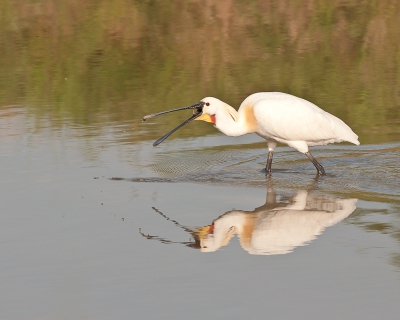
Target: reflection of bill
274	228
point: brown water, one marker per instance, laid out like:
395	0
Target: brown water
98	224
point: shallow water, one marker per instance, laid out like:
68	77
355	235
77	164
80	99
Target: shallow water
98	224
88	233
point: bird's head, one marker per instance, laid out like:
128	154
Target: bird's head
216	235
203	110
210	107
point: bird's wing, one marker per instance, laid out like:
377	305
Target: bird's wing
295	119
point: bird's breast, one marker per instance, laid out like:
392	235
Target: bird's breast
249	118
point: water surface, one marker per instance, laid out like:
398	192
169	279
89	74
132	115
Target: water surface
98	224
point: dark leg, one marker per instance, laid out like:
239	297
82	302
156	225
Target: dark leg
320	168
271	195
269	161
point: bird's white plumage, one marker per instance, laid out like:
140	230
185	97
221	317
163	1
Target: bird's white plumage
278	230
275	116
280	117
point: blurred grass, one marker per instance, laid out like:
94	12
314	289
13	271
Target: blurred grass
98	60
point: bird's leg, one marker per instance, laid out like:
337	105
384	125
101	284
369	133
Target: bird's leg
271	147
320	168
269	161
271	195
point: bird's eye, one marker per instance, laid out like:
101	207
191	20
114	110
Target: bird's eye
207	103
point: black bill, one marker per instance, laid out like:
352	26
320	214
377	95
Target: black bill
196	114
198	106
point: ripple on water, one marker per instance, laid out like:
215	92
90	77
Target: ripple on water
369	172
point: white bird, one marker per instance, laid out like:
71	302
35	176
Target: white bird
273	228
277	117
270	230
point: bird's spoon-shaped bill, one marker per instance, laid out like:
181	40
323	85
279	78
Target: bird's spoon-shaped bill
197	106
196	114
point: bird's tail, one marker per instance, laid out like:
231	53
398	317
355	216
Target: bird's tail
353	138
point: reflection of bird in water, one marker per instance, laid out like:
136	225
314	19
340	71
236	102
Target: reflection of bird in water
194	232
274	228
275	116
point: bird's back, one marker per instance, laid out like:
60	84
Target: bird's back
284	117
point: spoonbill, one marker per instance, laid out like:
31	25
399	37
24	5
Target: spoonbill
273	228
275	116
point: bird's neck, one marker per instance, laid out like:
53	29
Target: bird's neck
234	123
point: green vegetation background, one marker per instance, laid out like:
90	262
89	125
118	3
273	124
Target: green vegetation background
100	60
